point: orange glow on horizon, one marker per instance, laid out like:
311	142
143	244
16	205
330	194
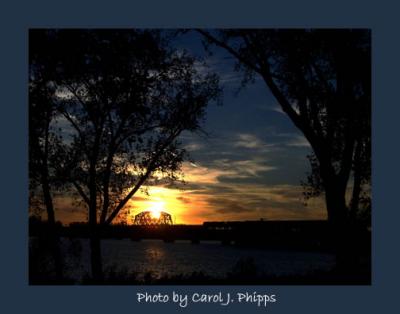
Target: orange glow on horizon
206	198
236	202
183	207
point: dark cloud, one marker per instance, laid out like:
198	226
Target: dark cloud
224	206
184	200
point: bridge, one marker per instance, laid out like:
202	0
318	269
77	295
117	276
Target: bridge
312	234
148	218
301	235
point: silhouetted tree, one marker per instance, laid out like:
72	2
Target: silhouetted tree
125	96
41	112
322	81
43	143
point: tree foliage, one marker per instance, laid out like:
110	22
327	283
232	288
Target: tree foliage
123	97
322	81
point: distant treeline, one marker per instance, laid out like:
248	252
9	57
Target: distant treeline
310	235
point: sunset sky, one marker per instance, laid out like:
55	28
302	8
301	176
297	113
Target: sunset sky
249	167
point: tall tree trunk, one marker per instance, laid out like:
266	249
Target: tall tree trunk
53	239
95	257
335	205
95	247
343	232
48	200
355	199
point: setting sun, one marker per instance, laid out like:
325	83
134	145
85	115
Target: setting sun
182	205
156	209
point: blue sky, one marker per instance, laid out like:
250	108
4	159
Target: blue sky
248	167
257	155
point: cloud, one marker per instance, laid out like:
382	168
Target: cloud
298	141
221	169
194	147
206	198
225	68
275	108
242	168
203	175
255	201
222	205
290	139
184	200
248	141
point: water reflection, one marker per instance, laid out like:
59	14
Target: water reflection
154	253
211	258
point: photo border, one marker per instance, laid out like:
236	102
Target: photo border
17	17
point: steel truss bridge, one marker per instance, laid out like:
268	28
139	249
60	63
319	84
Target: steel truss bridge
147	218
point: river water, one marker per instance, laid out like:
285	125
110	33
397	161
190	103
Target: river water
180	257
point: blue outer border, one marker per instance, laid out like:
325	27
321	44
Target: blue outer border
17	297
